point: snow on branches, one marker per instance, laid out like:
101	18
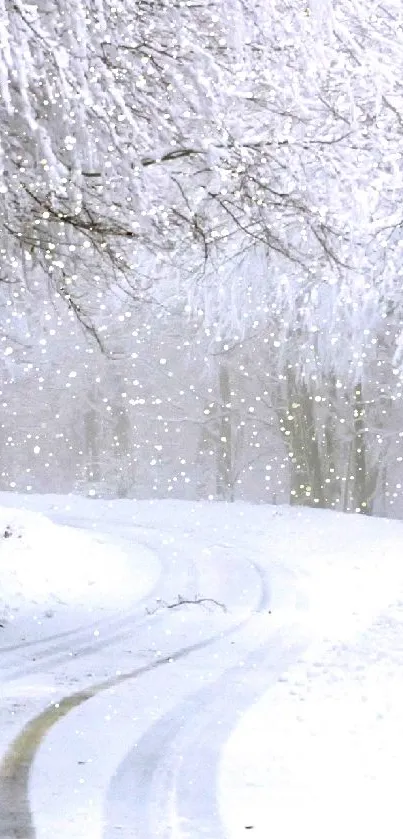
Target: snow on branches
253	152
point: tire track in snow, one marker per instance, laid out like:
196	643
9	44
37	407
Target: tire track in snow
63	654
67	637
76	644
57	649
166	786
16	820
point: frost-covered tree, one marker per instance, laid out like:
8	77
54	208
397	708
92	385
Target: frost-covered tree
111	118
135	132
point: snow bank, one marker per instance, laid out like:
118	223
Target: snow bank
44	567
320	753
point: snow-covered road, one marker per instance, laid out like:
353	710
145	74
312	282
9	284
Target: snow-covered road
145	716
141	702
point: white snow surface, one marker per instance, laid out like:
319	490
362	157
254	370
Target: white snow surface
284	718
44	567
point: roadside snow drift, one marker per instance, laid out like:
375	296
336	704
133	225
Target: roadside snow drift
44	566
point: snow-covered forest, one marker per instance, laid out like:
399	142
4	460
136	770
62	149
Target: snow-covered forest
201	250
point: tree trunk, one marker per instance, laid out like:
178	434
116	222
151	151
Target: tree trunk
361	488
332	489
224	442
92	443
123	453
298	426
206	454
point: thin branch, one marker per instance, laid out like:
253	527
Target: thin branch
184	601
176	154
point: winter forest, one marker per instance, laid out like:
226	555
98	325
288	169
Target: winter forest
201	250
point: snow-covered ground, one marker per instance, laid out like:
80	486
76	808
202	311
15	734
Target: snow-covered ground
45	567
273	704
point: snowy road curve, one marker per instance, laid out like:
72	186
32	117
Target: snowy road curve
142	704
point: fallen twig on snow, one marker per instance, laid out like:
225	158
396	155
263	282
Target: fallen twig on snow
184	601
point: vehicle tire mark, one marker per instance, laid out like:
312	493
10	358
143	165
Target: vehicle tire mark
15	812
